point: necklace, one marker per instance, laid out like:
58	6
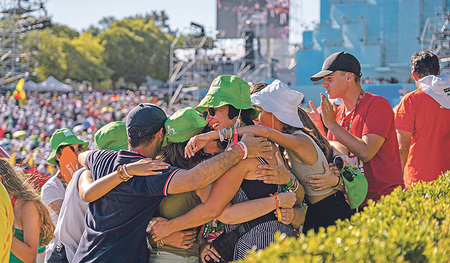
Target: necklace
360	97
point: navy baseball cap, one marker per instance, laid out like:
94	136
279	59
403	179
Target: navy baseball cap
150	118
342	61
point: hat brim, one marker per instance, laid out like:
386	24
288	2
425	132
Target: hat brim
320	75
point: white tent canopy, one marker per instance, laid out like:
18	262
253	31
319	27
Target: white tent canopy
52	84
30	86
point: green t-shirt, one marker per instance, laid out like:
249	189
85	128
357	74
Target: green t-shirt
174	206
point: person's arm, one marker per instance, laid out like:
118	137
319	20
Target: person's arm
298	143
55	206
208	171
326	180
249	210
221	194
82	158
404	143
90	191
299	217
314	115
27	250
364	148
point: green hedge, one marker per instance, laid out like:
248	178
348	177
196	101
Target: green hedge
405	226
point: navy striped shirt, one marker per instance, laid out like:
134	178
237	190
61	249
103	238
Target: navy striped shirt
116	223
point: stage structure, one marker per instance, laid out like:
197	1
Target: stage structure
436	37
262	25
17	18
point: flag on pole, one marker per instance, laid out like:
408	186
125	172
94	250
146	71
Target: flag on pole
19	93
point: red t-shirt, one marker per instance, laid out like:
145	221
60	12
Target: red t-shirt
383	172
429	123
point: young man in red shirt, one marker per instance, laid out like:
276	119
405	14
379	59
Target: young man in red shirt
364	124
423	122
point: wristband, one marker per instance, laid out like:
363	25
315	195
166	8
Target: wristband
339	181
277	206
125	170
121	174
225	133
150	225
236	136
244	149
290	181
221	135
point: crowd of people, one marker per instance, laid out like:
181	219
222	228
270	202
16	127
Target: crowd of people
26	128
212	183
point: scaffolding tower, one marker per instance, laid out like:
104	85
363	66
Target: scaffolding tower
17	18
436	38
195	62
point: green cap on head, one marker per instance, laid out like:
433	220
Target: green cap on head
63	137
228	90
183	125
112	136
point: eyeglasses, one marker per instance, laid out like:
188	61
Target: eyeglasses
212	111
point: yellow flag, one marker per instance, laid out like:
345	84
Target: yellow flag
22	94
12	160
50	169
19	85
30	161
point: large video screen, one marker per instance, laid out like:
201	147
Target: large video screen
270	18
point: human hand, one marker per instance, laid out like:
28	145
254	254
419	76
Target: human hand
287	215
287	199
328	111
197	143
209	252
180	239
257	146
322	181
145	167
274	174
314	114
161	230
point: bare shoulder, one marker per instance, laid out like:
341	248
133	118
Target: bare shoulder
29	207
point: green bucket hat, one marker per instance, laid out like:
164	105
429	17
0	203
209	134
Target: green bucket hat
183	125
112	136
63	137
228	90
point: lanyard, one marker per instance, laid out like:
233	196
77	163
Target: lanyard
61	178
361	95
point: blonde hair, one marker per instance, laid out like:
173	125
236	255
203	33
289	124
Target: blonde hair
16	184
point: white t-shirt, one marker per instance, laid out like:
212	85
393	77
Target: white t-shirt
71	223
51	191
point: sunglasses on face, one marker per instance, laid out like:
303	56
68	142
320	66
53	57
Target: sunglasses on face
212	111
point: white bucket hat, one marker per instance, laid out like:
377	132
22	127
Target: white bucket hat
280	100
437	87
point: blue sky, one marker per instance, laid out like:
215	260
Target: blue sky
79	14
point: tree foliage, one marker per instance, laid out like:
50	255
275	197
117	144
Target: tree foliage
129	49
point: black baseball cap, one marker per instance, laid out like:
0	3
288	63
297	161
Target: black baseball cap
147	116
342	61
